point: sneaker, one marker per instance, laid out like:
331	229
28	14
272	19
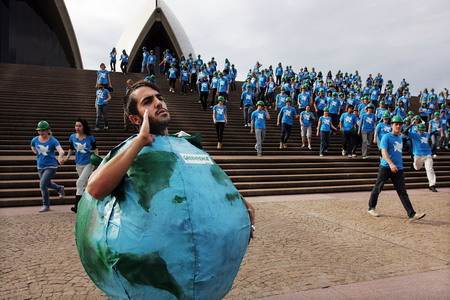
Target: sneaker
320	155
259	154
353	155
364	157
96	129
61	192
281	146
245	125
343	152
105	128
433	189
44	209
434	155
309	147
256	146
349	156
284	145
373	212
303	146
416	217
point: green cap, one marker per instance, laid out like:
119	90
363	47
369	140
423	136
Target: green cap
43	125
410	113
260	103
95	159
397	119
421	126
416	117
407	119
334	94
288	99
152	76
370	105
381	102
282	88
220	98
326	109
436	114
216	73
387	115
248	86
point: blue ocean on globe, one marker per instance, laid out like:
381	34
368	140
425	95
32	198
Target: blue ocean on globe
174	228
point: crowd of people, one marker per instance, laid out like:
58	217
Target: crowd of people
365	114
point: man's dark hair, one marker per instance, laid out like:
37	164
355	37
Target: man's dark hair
132	103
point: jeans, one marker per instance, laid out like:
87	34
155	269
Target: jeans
46	176
102	111
259	134
184	84
367	138
144	67
220	127
435	139
348	141
123	67
285	132
152	69
324	141
398	180
84	171
248	114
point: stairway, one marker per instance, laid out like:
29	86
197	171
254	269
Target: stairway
29	94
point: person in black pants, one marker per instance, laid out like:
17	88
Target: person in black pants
391	167
220	119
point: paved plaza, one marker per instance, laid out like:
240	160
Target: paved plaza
306	247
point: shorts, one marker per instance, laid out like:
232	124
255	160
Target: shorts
306	131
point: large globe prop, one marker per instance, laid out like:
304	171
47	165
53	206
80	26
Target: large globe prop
175	228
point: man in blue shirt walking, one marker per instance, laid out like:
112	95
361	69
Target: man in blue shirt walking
391	167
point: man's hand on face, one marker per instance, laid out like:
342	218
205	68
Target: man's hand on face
144	132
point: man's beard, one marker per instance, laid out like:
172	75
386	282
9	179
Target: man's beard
159	127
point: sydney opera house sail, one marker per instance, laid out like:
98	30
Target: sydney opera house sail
157	28
38	33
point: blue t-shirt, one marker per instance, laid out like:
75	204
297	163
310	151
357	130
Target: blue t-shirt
334	105
45	156
173	73
348	121
400	111
102	95
219	113
145	56
83	148
382	129
281	100
306	118
421	147
374	94
151	59
204	86
223	85
259	119
247	98
325	123
271	87
303	100
393	144
435	125
368	122
321	103
124	57
102	76
184	75
278	71
113	55
287	114
214	82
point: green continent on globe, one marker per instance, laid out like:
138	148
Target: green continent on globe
151	173
219	175
149	269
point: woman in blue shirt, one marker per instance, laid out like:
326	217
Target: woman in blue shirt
83	143
112	61
220	119
124	61
44	146
103	77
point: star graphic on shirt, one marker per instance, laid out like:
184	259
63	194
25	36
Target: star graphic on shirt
387	129
326	122
348	119
424	140
369	120
260	116
398	147
306	117
288	113
42	150
220	111
333	103
80	147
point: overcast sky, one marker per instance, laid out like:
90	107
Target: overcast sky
398	38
